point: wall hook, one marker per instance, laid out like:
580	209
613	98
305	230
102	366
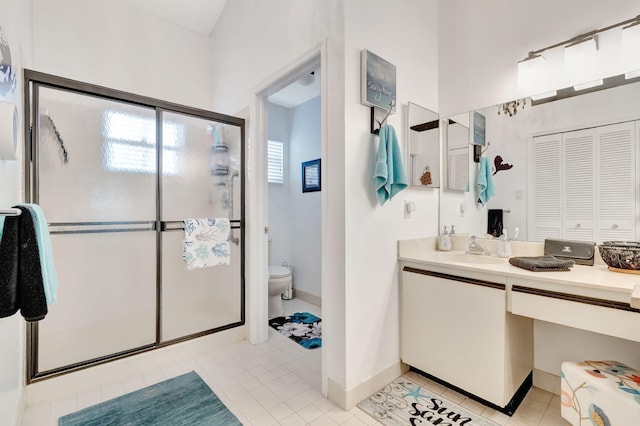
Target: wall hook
376	130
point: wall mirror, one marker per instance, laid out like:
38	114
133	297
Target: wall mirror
567	168
424	147
456	136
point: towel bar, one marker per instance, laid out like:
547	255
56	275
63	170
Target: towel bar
10	212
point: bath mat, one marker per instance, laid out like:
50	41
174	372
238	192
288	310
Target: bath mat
301	327
403	402
182	400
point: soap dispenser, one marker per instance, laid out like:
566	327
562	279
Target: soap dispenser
444	242
503	248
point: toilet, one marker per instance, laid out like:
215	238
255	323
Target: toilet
279	281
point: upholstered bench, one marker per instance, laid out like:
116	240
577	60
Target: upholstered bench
605	393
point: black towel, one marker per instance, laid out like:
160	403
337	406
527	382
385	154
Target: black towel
22	282
546	263
9	304
494	222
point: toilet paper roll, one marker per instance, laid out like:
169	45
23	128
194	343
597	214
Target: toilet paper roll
8	130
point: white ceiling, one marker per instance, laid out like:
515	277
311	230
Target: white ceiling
296	93
199	16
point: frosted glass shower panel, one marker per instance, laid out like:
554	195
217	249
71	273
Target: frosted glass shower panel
201	299
95	157
105	302
200	168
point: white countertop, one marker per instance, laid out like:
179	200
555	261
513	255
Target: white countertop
591	281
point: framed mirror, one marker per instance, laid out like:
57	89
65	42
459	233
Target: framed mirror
562	168
424	147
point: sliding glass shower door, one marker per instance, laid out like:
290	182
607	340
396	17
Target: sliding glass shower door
96	183
200	178
116	174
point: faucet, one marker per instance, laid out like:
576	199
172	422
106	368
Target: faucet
475	247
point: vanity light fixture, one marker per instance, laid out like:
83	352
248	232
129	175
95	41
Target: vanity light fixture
581	62
544	95
531	71
631	49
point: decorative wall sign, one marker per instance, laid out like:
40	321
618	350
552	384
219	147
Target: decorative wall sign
378	82
311	176
479	128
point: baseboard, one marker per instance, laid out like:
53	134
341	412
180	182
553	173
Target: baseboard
348	399
307	297
92	377
546	381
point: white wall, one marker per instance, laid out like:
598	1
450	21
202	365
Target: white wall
249	51
117	46
279	129
304	219
15	19
478	67
405	34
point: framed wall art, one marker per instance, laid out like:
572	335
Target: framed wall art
311	176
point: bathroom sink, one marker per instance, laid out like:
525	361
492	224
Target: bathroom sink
471	258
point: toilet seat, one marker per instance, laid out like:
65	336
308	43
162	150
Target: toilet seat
276	271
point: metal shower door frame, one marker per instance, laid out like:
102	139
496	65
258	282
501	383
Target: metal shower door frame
33	80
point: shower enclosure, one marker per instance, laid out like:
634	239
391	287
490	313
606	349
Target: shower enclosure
116	174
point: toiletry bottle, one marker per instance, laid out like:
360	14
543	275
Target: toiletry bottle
503	248
444	242
453	230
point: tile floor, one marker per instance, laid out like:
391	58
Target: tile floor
277	383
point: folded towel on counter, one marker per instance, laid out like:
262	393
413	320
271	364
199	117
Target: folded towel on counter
389	171
546	263
206	242
21	279
49	275
486	188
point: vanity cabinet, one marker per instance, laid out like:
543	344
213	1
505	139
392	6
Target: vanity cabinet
457	329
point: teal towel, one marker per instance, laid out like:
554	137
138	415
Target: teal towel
389	172
486	188
49	275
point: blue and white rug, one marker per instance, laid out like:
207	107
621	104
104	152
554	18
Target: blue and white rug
403	402
183	400
301	327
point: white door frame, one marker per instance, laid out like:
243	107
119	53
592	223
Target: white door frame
257	203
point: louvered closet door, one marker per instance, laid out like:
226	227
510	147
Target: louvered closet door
578	184
458	169
616	181
547	201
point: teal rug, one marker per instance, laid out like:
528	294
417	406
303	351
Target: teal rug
183	400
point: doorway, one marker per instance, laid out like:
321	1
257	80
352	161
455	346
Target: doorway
258	196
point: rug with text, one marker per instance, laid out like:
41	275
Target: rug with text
302	327
403	402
